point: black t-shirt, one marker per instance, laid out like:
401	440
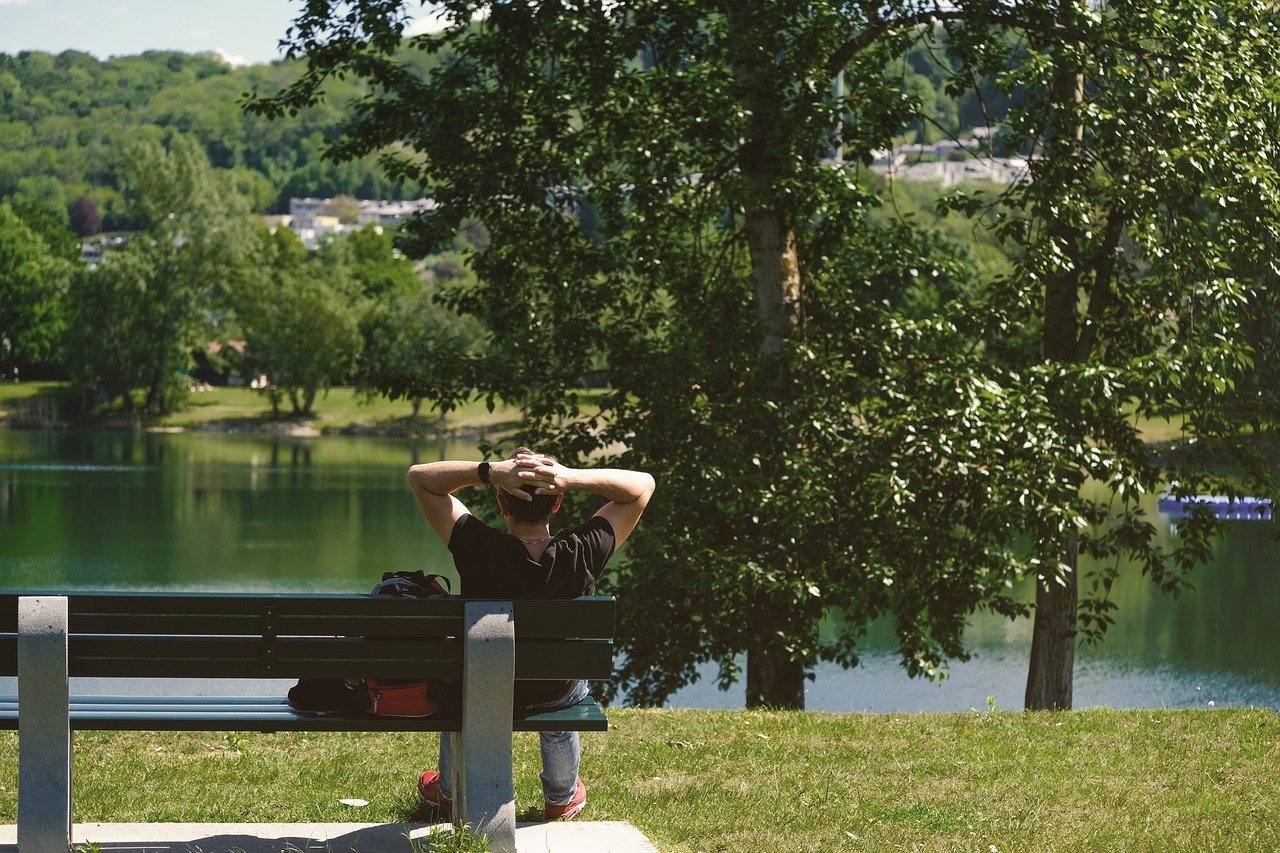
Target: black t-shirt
494	564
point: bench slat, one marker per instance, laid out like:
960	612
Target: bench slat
10	700
329	657
586	716
320	614
270	713
327	625
591	616
248	657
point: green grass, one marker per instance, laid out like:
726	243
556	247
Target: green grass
11	392
341	409
784	781
347	410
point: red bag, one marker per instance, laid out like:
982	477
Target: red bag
393	697
399	698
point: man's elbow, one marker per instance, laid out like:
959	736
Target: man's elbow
649	484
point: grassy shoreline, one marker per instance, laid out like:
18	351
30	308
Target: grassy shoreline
346	411
341	411
743	780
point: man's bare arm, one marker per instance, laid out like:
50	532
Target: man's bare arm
628	492
433	486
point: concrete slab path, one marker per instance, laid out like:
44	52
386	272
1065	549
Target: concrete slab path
573	837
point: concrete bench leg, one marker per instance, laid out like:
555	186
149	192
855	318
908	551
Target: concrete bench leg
44	726
484	791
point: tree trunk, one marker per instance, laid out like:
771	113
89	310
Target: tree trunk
1053	638
773	680
775	270
1051	671
1049	677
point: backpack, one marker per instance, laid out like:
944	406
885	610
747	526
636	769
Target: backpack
412	584
382	697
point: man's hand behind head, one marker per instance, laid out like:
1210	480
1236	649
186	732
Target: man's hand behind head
547	475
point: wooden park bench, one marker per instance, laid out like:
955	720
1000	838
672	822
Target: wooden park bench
484	645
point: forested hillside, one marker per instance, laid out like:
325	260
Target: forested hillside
66	120
74	129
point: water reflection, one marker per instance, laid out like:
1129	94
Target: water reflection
115	510
90	510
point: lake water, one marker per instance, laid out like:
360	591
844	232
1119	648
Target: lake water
118	510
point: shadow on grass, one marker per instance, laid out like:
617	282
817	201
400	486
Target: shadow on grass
425	813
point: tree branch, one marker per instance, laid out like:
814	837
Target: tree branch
877	27
1100	294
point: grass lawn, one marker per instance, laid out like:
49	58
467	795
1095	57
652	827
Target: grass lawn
742	780
11	392
341	409
346	410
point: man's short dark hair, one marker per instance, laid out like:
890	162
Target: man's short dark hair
536	511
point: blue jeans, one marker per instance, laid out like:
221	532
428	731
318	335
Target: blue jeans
561	754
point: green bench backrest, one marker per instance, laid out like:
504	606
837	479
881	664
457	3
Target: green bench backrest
216	635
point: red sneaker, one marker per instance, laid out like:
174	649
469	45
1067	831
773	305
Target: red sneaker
429	792
569	810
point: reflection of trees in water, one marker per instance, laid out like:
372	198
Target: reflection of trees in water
1227	621
217	515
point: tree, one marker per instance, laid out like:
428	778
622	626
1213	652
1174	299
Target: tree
1146	232
836	411
343	206
52	226
84	217
32	283
415	347
196	241
378	269
299	317
707	287
111	316
418	349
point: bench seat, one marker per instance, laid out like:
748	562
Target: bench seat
273	714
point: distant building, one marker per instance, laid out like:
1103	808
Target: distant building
309	221
94	249
951	161
302	211
391	212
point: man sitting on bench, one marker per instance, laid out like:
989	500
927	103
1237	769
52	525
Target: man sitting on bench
528	561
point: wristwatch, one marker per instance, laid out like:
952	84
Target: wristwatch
483	471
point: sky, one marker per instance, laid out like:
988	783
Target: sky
241	30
